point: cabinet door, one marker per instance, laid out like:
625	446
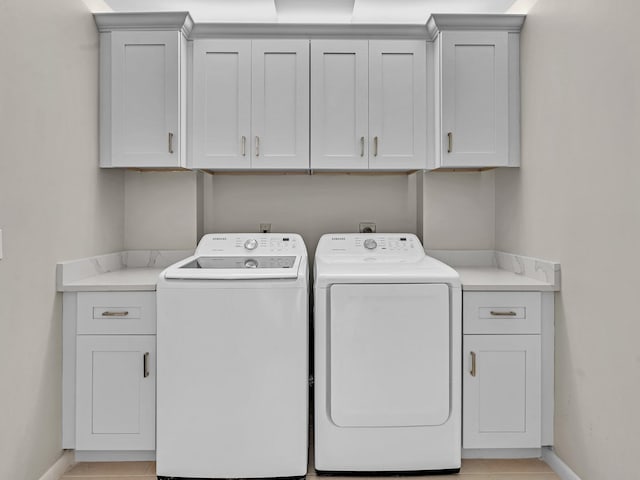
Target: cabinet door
145	99
115	392
501	385
397	104
475	99
339	104
221	104
280	104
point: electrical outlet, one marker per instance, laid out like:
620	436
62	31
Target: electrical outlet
367	227
265	228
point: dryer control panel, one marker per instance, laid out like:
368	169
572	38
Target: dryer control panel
274	244
371	245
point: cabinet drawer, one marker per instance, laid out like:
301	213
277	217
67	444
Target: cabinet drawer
501	312
117	313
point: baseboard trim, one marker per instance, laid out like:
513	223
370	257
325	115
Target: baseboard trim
115	456
59	467
501	453
557	465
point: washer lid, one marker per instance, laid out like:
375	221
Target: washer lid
235	267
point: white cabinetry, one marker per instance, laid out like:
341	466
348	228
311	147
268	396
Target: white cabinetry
502	370
368	104
109	375
142	92
115	392
250	104
476	91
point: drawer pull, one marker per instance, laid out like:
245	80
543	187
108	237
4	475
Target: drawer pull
473	364
145	364
510	313
115	314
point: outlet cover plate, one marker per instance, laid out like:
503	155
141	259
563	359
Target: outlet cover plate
367	226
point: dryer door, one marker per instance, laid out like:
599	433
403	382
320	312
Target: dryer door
389	355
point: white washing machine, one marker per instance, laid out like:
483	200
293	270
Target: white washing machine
387	329
232	359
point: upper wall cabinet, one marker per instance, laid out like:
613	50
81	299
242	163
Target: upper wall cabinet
476	93
142	90
250	104
368	104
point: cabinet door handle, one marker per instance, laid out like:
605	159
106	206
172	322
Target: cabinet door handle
257	146
244	146
145	365
473	364
375	146
510	313
170	142
450	139
362	146
115	314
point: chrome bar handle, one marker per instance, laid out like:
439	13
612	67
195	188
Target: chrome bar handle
375	146
145	364
257	146
170	142
473	364
450	138
115	314
510	313
362	146
244	146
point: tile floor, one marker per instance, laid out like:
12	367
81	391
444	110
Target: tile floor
530	469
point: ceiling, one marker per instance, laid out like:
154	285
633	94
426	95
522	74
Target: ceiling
307	11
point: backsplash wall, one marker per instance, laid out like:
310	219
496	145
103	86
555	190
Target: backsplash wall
166	210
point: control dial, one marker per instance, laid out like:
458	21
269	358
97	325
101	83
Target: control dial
370	244
251	244
251	263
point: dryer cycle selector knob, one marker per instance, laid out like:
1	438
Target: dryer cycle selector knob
251	244
370	244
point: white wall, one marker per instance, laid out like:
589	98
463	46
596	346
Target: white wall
55	204
310	205
576	200
458	210
160	210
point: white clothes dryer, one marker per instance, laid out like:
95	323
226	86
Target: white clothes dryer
387	329
232	359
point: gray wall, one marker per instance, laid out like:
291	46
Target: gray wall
55	204
576	200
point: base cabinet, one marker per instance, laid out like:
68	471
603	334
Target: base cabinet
507	377
115	392
109	372
501	401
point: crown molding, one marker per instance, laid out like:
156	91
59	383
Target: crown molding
439	22
314	30
107	22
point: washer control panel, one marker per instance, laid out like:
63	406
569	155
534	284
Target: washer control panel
251	243
371	245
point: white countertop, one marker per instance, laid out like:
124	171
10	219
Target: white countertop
478	270
496	279
133	279
131	270
489	270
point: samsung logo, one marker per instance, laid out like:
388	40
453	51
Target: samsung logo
338	238
217	238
